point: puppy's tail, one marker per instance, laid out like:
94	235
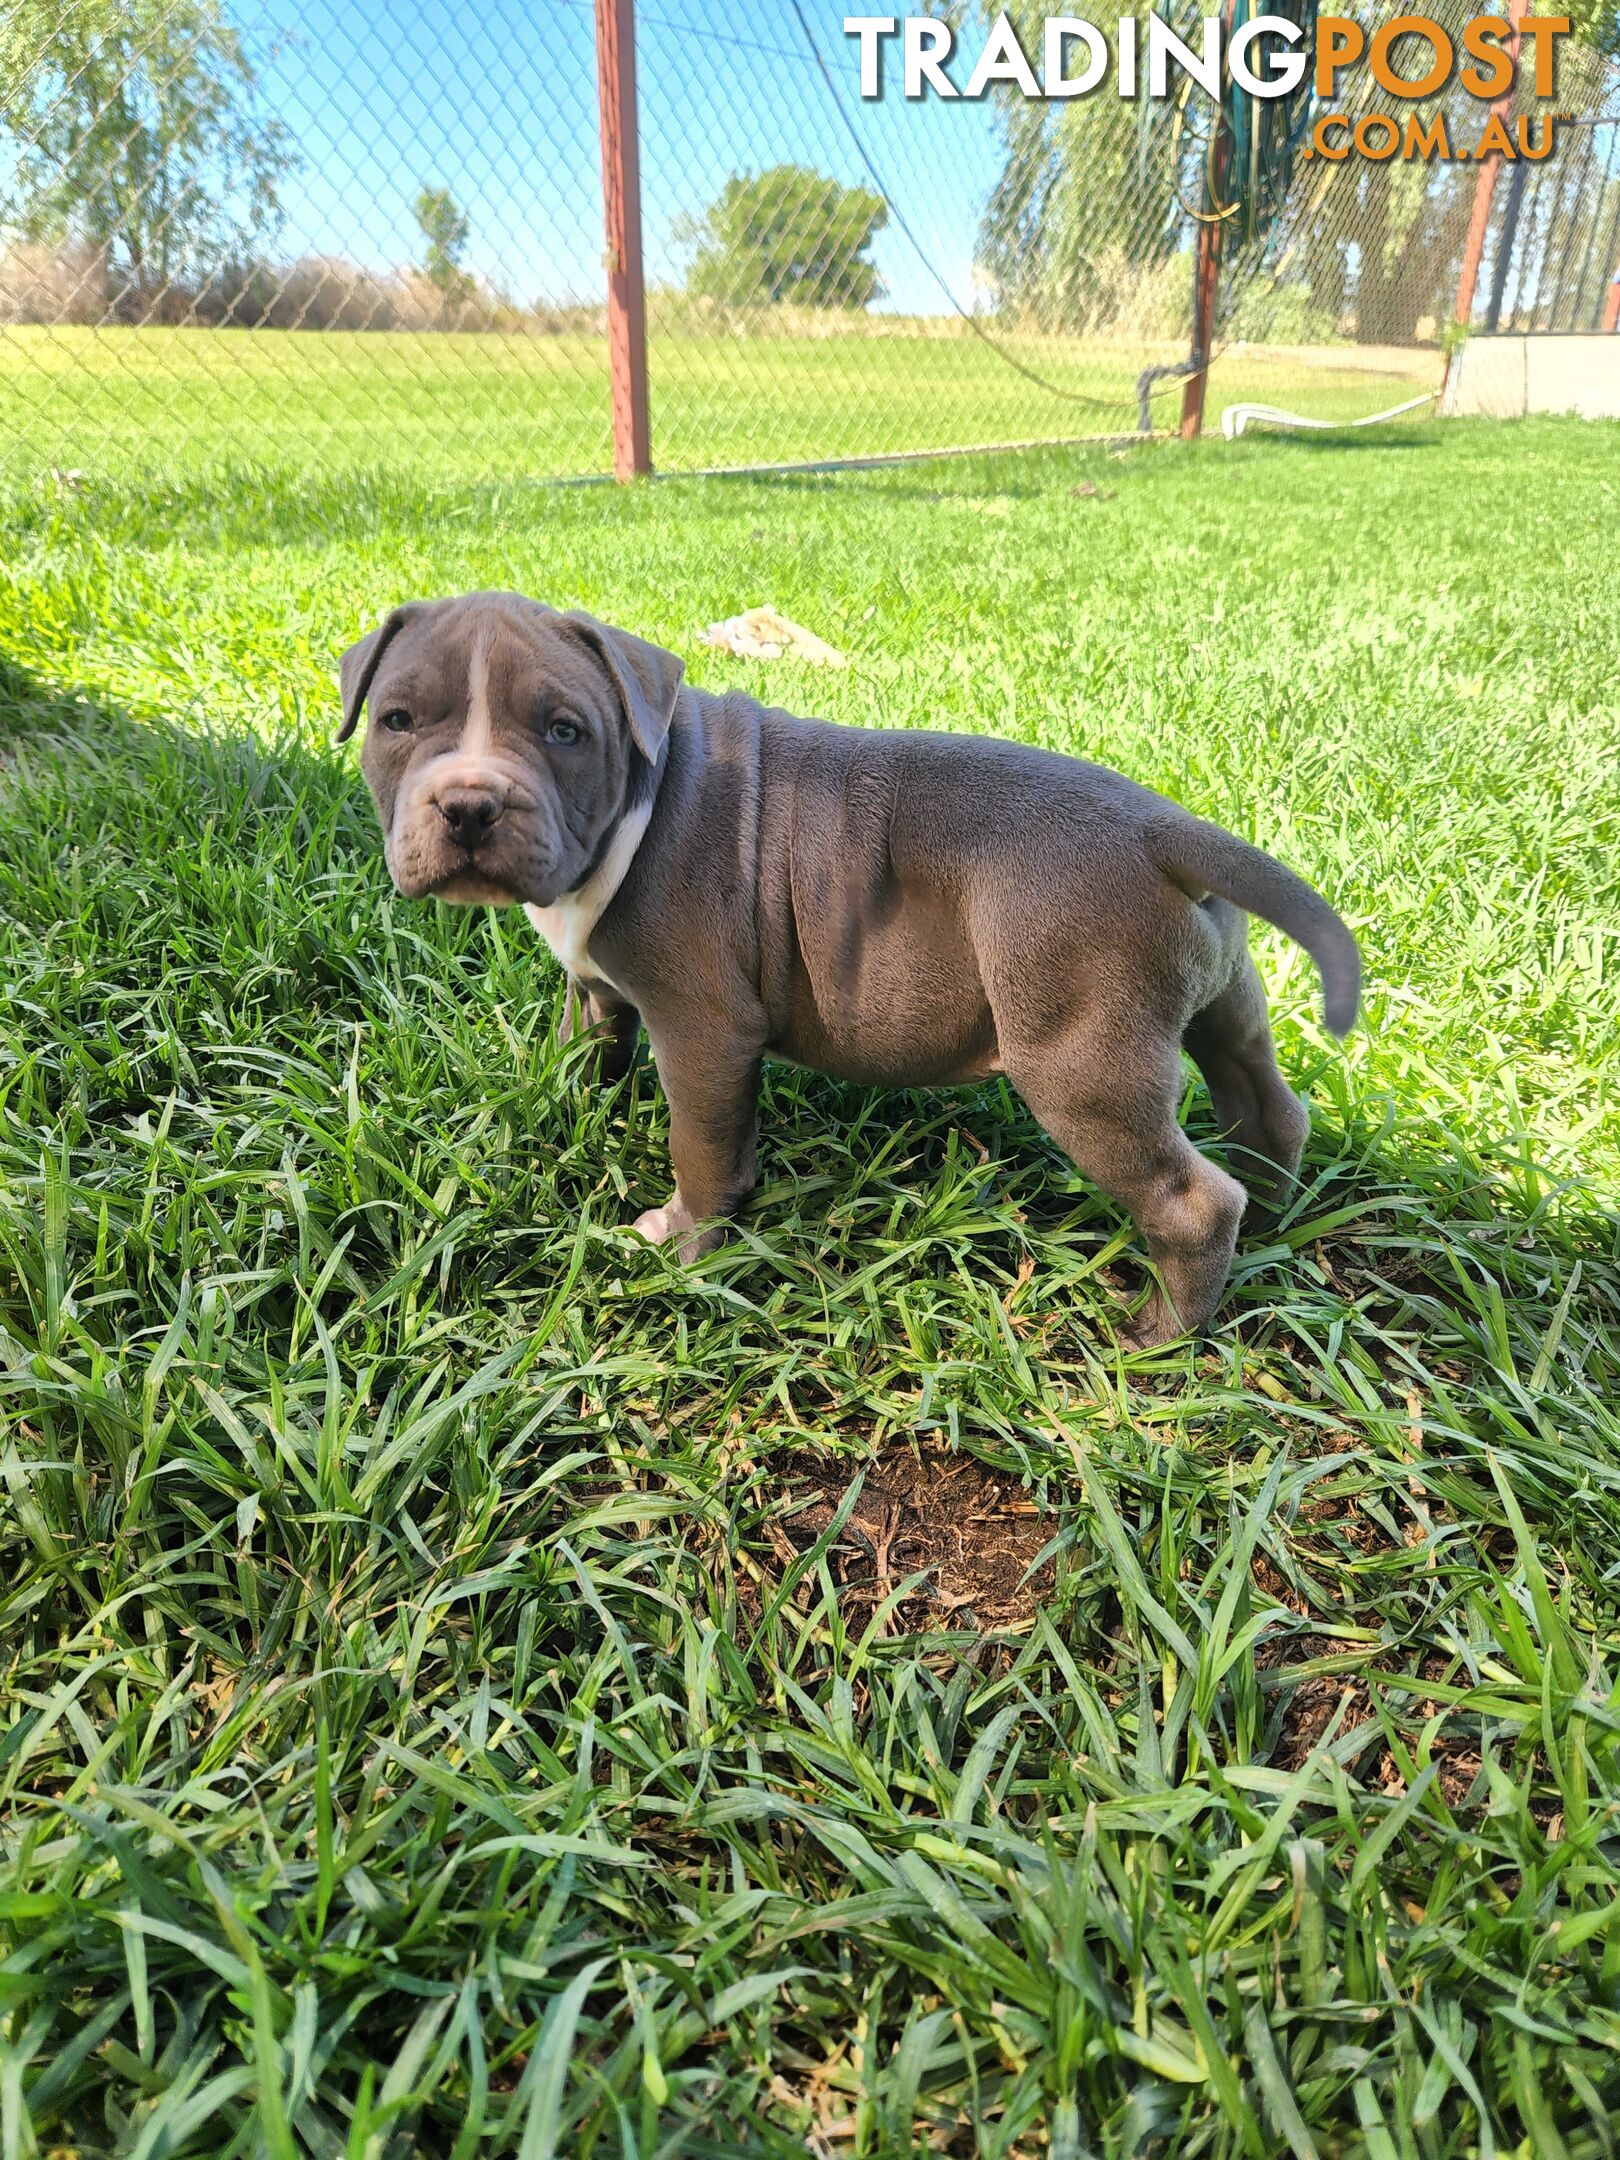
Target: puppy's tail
1202	858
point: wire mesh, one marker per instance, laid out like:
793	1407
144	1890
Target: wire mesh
1370	253
339	237
928	295
1553	257
382	246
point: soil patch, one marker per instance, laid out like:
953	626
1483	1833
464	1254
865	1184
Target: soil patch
972	1534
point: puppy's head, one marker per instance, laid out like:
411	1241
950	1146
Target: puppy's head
504	743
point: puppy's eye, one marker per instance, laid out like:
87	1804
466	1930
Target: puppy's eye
562	731
397	722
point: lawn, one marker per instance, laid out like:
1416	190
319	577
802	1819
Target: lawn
472	1688
450	409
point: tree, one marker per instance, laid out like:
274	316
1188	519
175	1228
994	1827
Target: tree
1085	205
1083	221
445	229
787	234
133	129
1596	23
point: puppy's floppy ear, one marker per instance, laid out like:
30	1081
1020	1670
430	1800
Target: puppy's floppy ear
647	678
359	664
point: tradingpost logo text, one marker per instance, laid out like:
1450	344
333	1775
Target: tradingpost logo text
1410	58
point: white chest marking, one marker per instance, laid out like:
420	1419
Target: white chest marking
567	924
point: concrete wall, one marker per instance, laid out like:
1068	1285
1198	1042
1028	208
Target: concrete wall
1506	377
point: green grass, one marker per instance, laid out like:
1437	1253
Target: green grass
428	1728
453	408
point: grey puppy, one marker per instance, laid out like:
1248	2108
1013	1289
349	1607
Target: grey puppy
896	907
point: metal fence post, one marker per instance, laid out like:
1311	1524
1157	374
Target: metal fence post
1484	189
621	209
1504	244
1206	285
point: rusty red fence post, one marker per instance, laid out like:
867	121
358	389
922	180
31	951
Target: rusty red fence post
1479	222
1206	284
1207	271
621	212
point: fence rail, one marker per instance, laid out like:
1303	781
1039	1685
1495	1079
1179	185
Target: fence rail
408	238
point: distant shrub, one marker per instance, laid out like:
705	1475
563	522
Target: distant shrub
1268	314
1107	293
40	284
71	283
323	292
316	292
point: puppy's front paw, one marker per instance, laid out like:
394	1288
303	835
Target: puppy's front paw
1149	1331
673	1224
658	1225
1153	1327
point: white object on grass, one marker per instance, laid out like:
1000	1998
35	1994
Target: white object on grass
760	633
1236	418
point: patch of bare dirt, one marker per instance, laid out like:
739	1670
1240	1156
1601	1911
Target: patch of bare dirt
972	1535
1342	1701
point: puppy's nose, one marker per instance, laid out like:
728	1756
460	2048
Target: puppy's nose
470	811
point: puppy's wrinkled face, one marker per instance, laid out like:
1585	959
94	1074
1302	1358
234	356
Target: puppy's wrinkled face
505	742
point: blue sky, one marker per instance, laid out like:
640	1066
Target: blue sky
498	102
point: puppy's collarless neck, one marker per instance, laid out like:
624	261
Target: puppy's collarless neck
567	924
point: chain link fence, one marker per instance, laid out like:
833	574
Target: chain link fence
1553	256
1374	253
334	236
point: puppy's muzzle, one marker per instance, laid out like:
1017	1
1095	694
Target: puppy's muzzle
472	832
470	811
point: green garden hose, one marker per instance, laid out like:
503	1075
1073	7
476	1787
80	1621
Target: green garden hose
1246	163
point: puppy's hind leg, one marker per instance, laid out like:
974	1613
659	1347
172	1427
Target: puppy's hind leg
1255	1108
1111	1105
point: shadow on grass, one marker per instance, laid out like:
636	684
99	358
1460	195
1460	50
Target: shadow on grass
260	506
952	477
167	890
175	787
271	506
1342	435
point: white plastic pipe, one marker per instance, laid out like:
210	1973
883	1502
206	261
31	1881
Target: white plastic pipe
1236	418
